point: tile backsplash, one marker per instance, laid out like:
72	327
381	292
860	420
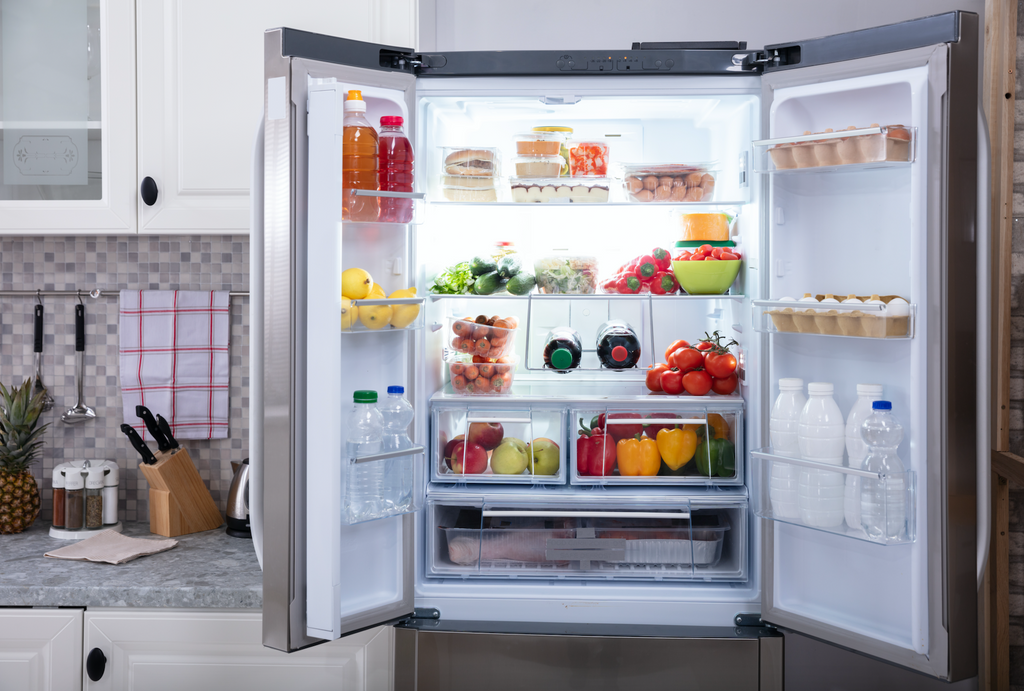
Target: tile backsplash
113	263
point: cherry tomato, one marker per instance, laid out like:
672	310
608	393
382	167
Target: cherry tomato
686	359
683	256
720	365
654	376
672	382
676	345
717	252
728	256
706	249
697	258
725	386
704	345
697	382
711	259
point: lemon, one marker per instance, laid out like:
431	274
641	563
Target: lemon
404	314
349	314
355	284
376	293
375	316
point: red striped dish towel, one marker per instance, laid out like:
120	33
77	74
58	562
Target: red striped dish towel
175	360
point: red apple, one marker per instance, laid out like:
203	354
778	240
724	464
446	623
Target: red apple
449	446
486	434
468	458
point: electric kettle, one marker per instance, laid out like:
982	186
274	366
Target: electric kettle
238	501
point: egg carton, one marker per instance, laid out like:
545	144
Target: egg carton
842	322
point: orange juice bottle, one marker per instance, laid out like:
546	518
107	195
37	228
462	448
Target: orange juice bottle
359	161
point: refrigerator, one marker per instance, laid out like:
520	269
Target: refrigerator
511	579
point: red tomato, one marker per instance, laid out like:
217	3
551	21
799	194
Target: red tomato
706	249
683	256
697	382
720	365
717	252
728	256
654	373
697	258
686	359
704	345
725	386
711	259
672	382
676	345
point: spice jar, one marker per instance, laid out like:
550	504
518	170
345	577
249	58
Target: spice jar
110	483
58	495
94	497
74	498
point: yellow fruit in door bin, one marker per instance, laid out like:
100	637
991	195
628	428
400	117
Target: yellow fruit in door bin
349	314
404	314
375	316
355	284
376	293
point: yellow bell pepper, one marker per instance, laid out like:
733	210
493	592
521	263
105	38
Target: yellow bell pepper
677	446
719	427
638	456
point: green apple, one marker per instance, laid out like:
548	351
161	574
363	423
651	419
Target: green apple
545	456
510	458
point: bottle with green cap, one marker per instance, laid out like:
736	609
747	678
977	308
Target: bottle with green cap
365	435
563	349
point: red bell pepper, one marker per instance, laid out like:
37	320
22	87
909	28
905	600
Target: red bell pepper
618	432
664	283
646	266
595	451
663	258
627	283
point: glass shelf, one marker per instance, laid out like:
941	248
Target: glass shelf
434	297
855	320
595	205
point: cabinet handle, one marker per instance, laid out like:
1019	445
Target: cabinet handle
95	664
149	191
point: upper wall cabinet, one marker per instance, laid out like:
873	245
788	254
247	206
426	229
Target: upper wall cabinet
67	117
200	95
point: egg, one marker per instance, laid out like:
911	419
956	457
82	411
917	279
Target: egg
665	181
852	299
634	185
663	193
897	307
651	183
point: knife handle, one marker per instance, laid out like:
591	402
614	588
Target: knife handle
154	429
172	443
79	328
37	341
140	446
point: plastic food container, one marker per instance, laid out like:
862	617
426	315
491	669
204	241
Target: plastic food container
706	278
470	378
845	319
588	159
538	166
566	274
669	182
491	342
539	143
544	190
470	160
470	188
563	151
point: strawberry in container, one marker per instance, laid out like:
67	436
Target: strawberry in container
588	159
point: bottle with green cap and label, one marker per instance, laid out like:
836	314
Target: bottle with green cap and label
365	435
563	349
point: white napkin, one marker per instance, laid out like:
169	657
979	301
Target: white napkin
111	547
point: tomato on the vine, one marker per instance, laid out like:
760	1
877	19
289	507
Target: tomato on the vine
672	382
725	386
654	373
704	345
720	365
676	345
686	359
697	382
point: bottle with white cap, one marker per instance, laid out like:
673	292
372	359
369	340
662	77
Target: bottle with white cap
110	485
58	495
856	449
94	496
821	436
359	161
74	499
785	417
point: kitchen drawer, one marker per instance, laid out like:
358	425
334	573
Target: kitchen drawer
722	458
518	445
665	539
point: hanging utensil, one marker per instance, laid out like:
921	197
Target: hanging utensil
80	412
37	346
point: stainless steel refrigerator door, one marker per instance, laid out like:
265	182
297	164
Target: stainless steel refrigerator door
290	589
939	638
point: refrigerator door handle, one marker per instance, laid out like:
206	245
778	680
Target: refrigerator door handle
256	344
984	258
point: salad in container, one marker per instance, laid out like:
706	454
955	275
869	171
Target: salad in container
566	274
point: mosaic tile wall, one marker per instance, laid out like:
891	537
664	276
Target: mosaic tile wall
111	263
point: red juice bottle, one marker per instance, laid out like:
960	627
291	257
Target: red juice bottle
395	170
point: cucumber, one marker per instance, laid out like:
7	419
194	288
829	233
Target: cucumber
482	265
509	265
521	284
488	283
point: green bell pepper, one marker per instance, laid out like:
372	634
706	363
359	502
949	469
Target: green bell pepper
716	457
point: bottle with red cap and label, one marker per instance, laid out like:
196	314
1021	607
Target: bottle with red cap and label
395	170
359	161
617	345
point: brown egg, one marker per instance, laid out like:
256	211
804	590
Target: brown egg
694	194
663	193
650	182
679	193
707	178
665	180
693	179
679	182
644	196
634	185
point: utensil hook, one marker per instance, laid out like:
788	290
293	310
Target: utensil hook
39	297
79	291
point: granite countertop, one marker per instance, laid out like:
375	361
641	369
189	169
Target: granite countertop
207	569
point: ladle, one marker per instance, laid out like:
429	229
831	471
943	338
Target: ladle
80	412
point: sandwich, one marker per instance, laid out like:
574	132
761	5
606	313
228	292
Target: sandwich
471	162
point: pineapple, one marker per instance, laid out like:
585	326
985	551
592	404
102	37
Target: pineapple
19	448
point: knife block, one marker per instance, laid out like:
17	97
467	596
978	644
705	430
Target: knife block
179	502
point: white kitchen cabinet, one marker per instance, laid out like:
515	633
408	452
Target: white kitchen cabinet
200	95
40	649
170	650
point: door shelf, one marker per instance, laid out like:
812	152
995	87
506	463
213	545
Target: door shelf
779	498
391	208
381	485
723	425
687	541
537	459
409	310
842	320
865	148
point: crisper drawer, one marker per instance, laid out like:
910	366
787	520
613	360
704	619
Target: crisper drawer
685	539
674	445
510	445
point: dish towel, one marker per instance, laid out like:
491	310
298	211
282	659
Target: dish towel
111	547
175	360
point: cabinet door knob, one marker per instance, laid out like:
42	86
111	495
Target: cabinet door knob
149	191
95	664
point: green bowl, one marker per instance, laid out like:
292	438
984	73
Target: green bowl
706	278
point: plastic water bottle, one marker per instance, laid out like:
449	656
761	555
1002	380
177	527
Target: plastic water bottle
883	501
785	417
397	413
821	437
857	450
365	482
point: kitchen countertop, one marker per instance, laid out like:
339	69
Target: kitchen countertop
208	569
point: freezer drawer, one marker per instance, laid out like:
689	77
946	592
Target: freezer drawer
508	445
658	542
682	456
